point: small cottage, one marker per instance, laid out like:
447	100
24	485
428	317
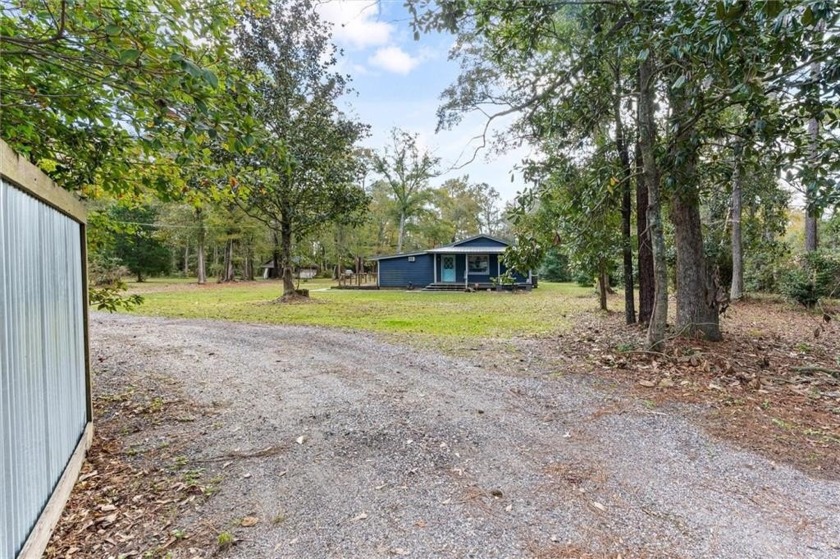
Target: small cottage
467	263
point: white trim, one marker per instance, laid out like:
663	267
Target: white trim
466	269
434	268
498	268
378	270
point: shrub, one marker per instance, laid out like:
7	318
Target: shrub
555	266
107	288
816	277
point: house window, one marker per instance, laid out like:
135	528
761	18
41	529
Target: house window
411	259
478	263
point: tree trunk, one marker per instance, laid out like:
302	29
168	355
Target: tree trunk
248	265
402	230
274	273
647	139
227	274
697	292
626	206
812	214
187	260
645	253
736	290
200	250
603	285
697	305
286	256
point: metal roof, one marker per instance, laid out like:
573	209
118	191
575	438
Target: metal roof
455	248
468	250
388	256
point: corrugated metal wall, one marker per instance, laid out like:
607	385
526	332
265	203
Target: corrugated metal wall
43	407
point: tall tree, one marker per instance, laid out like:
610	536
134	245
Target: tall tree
301	171
407	168
137	242
698	59
736	289
647	292
650	170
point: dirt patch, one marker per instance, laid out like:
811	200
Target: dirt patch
256	441
135	482
772	385
295	299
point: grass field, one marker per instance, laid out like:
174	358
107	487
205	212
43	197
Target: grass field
483	314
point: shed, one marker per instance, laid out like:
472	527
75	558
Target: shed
45	406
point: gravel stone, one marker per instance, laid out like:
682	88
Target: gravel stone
374	449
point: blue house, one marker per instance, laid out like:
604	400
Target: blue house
467	263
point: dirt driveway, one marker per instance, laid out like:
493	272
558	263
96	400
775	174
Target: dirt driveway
338	444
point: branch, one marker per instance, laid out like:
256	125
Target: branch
59	34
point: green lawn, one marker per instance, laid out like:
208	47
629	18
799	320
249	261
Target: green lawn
414	313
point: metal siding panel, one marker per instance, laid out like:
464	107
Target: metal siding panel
6	498
42	404
398	272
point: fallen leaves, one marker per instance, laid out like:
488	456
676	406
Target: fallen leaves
769	361
249	521
124	504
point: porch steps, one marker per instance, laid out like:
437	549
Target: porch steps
456	286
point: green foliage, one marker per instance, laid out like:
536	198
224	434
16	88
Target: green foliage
112	298
406	168
107	288
584	279
555	266
765	265
95	93
817	277
225	540
830	233
136	242
300	171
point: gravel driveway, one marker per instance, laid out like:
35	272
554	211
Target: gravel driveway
344	445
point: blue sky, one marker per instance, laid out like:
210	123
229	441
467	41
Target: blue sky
398	82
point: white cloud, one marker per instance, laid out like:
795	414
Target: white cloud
355	24
394	59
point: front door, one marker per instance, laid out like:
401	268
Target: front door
447	272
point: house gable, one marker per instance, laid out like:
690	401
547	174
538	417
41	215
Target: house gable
481	241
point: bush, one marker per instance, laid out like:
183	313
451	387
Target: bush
765	270
816	277
584	279
104	271
107	288
555	266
